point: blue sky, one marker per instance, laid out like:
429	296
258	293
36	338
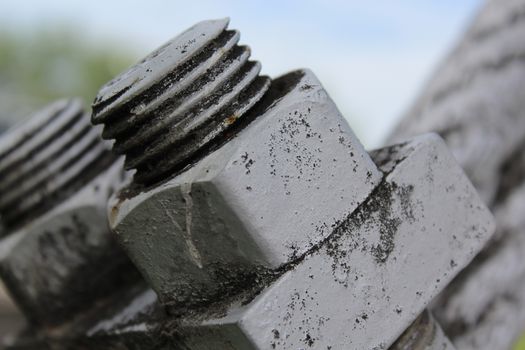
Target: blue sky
372	56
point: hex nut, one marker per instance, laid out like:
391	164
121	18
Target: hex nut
385	262
260	201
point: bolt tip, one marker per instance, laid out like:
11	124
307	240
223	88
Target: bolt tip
179	100
46	159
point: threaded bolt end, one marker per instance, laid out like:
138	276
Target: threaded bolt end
46	159
179	100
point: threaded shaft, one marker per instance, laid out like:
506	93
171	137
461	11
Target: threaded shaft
45	160
179	100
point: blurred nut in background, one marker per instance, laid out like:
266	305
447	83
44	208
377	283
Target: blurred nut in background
56	251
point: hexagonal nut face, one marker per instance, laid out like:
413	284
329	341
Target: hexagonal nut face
262	200
376	273
61	262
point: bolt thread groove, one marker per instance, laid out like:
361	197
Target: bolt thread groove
179	100
45	160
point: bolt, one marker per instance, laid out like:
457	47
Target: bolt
235	175
180	101
56	253
46	159
258	218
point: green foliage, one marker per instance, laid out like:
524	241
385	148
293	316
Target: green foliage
520	344
49	64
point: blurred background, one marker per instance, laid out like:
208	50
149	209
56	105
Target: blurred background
372	57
